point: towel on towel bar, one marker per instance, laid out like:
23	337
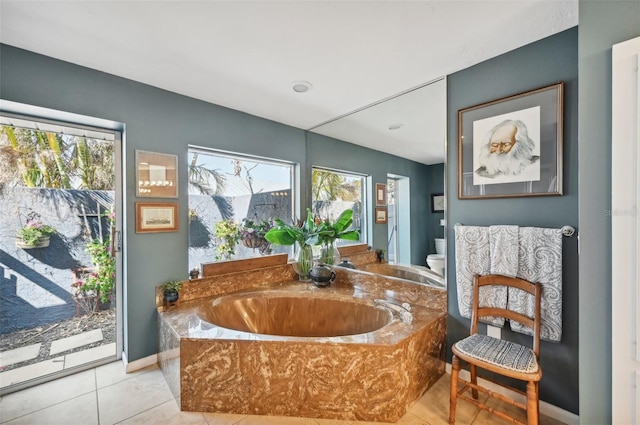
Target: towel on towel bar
472	257
503	248
540	260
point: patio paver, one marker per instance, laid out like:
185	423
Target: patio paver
18	355
75	341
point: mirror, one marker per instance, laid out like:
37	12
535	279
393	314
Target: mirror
410	125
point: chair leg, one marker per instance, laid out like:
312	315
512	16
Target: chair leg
453	389
538	399
532	403
474	380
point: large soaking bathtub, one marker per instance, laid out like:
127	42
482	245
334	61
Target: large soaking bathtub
343	352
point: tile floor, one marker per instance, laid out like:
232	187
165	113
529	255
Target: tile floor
106	395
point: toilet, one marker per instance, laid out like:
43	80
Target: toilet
436	261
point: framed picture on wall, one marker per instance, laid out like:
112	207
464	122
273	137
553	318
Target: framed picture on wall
512	147
156	175
156	217
381	215
381	194
437	202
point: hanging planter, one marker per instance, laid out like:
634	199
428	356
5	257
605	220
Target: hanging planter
253	241
43	242
34	234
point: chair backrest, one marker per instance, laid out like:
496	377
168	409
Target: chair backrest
535	289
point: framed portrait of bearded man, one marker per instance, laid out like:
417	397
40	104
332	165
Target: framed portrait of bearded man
512	146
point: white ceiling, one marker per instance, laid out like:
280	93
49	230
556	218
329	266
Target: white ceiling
245	55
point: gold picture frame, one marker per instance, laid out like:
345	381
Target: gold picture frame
156	175
512	147
155	217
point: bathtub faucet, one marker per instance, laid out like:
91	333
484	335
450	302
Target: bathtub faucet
404	310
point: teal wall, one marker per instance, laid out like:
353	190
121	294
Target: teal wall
539	64
161	121
434	184
602	24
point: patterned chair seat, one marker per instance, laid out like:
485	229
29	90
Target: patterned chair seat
498	352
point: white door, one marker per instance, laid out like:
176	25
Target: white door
625	227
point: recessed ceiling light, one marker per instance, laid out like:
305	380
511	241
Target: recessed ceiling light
395	126
301	86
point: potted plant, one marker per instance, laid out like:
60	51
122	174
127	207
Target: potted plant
302	236
308	233
329	231
34	234
229	233
252	232
85	293
171	290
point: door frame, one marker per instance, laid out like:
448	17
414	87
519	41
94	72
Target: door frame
55	117
625	232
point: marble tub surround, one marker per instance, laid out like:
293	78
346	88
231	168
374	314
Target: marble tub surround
373	376
359	258
231	282
415	273
397	289
246	276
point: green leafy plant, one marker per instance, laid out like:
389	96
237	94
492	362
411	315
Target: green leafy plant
229	233
172	286
313	231
33	231
101	280
302	232
329	231
254	228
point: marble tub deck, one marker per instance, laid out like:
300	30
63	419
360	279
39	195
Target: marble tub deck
373	376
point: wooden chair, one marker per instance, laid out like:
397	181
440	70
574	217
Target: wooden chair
499	356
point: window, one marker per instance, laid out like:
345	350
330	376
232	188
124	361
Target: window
334	191
226	190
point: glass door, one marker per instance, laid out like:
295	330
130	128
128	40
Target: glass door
59	249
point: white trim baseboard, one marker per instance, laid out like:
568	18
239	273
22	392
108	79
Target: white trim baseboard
546	409
138	364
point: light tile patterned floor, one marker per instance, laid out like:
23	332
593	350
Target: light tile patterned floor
106	396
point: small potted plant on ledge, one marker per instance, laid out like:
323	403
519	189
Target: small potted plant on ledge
34	234
171	291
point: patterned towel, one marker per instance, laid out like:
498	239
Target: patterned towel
540	260
473	257
503	241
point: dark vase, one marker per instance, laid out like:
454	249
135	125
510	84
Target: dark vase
171	296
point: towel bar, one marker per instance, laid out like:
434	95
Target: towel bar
566	230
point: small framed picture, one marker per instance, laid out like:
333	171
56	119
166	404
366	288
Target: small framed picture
381	215
156	217
381	194
437	202
156	175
